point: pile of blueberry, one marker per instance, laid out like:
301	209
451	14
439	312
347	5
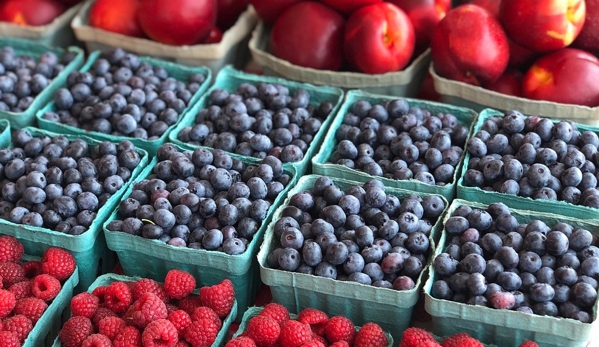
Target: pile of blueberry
202	200
493	260
124	97
258	120
60	184
534	157
362	235
22	78
396	141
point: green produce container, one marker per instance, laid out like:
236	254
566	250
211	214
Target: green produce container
519	202
254	311
107	279
322	166
89	248
4	133
177	71
152	258
229	79
33	49
504	327
389	308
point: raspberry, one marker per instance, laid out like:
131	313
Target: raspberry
320	338
179	284
190	303
32	308
529	344
294	334
204	312
11	250
340	343
45	287
96	340
84	305
180	319
220	297
58	263
201	333
314	343
102	313
277	312
370	335
75	331
22	289
11	273
118	297
340	328
7	303
182	344
453	340
263	330
241	341
9	339
32	269
100	293
128	337
158	333
468	341
19	325
111	326
147	309
315	318
170	308
413	337
146	285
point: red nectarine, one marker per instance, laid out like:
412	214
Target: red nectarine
424	15
269	10
228	12
348	7
118	16
30	12
588	39
510	83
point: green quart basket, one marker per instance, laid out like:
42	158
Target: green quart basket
519	202
152	258
89	249
389	308
34	49
229	79
5	133
177	71
508	328
322	166
107	279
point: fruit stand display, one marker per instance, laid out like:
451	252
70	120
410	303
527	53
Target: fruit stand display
299	173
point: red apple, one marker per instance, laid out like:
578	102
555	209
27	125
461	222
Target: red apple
118	16
520	57
30	12
177	22
588	39
424	15
228	12
489	5
269	10
469	45
216	35
309	34
348	7
567	76
510	83
542	26
378	39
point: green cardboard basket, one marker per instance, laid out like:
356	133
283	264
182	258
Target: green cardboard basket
389	308
504	327
519	202
107	279
26	47
152	258
89	248
5	133
177	71
229	79
322	166
254	311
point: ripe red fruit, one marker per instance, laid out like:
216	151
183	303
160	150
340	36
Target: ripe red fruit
19	325
32	308
118	297
204	312
416	337
30	12
111	326
45	287
180	319
58	263
294	334
160	332
11	249
201	333
219	297
263	330
117	16
370	335
340	328
178	284
84	304
148	309
277	312
75	331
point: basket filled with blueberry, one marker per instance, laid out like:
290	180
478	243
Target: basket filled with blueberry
119	96
505	275
337	241
202	211
59	189
408	144
254	116
532	163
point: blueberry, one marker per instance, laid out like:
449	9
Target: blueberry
441	290
325	269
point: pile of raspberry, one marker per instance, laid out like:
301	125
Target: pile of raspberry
149	314
312	328
28	288
416	337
